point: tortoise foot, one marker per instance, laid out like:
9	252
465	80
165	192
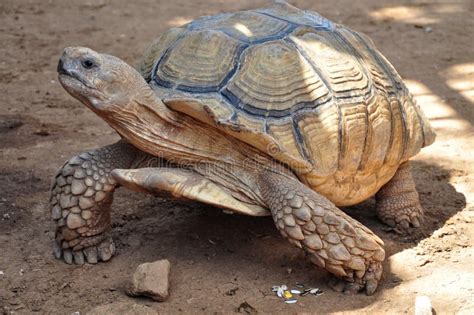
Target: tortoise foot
397	203
359	282
89	250
405	220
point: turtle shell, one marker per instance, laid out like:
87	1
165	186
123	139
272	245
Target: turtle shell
314	95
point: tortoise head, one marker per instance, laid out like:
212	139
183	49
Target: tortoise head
102	82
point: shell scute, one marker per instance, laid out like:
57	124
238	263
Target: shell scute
287	12
199	62
250	27
337	64
157	48
274	78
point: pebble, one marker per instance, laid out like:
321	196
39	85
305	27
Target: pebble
151	280
423	305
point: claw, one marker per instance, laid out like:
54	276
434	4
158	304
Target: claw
91	254
57	251
415	222
352	288
106	250
391	222
404	224
78	257
371	286
67	255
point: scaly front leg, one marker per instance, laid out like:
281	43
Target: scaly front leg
332	239
81	197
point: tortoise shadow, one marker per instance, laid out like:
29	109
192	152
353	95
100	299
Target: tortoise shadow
248	252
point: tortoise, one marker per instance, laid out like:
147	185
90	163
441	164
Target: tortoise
274	111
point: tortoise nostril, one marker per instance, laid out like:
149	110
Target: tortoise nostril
60	69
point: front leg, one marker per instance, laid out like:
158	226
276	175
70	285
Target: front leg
332	239
81	197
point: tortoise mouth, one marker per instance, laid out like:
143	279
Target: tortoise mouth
64	72
74	87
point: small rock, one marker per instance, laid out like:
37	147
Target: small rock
246	308
232	291
122	308
423	305
151	280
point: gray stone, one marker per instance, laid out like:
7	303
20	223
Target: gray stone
151	280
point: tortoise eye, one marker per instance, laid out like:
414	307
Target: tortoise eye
88	63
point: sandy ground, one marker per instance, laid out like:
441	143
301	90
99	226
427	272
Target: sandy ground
429	42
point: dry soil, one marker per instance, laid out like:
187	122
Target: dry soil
221	261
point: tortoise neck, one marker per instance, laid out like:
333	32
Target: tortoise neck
146	122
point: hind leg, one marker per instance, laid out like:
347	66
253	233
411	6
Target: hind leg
397	202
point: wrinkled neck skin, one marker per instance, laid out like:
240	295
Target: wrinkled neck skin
147	123
150	125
